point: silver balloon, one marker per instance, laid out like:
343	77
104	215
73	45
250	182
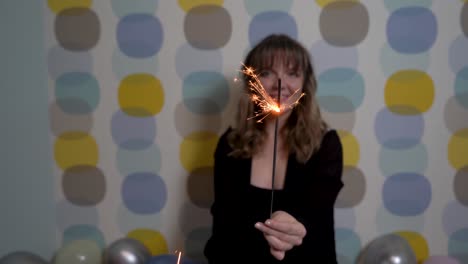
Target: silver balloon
388	249
127	251
21	257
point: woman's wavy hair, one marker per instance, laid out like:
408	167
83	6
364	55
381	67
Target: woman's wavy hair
304	129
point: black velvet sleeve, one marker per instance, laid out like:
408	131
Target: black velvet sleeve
314	205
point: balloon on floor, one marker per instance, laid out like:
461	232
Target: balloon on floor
22	257
126	251
388	249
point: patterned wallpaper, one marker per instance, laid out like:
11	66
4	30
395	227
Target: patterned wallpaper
141	90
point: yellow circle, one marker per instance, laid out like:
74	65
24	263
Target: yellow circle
323	3
59	5
418	243
75	148
409	92
458	149
153	240
197	150
141	95
186	5
350	144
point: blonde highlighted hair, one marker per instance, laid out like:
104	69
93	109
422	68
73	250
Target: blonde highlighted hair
304	129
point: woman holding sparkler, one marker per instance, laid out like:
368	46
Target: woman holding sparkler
277	172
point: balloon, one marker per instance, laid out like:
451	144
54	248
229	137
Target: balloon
169	259
127	251
388	249
440	260
21	257
79	252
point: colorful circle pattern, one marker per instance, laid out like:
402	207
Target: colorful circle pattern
409	92
77	96
341	92
205	95
141	97
455	228
145	40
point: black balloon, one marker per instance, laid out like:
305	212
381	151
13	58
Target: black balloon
127	251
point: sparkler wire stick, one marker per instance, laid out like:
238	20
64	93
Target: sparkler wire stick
178	257
274	150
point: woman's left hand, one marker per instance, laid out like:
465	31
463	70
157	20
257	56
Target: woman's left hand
282	232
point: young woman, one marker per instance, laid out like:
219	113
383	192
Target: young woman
309	166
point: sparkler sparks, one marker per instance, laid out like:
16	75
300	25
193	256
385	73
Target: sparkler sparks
261	97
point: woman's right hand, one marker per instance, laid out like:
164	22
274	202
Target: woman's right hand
282	232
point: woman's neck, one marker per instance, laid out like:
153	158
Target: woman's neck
270	129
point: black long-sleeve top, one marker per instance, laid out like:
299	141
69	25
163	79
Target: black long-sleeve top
308	194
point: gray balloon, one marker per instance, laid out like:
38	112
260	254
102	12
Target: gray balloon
126	251
388	249
22	257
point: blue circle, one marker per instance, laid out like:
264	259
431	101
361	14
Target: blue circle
412	159
458	54
340	90
267	23
397	131
461	87
406	194
348	243
144	193
139	35
133	133
83	232
77	92
189	59
412	29
458	245
205	92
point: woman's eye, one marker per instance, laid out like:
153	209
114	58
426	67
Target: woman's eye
264	73
294	73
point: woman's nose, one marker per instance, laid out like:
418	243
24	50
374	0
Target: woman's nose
277	84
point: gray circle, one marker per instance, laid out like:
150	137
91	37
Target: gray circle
77	29
344	23
207	27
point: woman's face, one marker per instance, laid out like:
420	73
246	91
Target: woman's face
292	81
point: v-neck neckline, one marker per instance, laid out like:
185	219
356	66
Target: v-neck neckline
285	183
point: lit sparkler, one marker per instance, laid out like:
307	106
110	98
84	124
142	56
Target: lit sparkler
267	106
261	97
